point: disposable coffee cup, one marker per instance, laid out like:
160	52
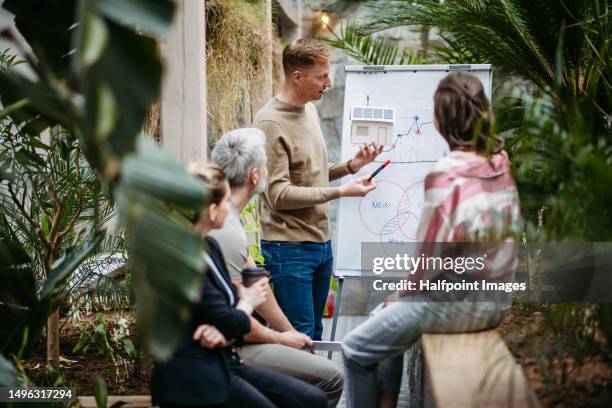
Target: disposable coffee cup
252	275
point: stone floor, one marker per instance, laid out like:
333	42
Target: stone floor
345	324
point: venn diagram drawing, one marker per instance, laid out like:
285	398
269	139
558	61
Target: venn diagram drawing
392	211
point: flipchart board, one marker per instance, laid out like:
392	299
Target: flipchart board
393	106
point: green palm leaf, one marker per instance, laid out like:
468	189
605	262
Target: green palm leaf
520	37
368	50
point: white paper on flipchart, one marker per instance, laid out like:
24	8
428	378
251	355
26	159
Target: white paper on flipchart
391	213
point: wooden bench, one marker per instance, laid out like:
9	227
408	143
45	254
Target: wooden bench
128	401
466	370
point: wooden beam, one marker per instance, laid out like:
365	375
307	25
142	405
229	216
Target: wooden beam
183	105
130	401
262	92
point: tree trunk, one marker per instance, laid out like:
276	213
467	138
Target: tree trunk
424	41
53	346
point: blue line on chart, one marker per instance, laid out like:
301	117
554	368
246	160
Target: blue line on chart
415	121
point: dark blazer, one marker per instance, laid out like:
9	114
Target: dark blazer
196	375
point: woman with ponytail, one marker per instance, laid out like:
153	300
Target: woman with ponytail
471	199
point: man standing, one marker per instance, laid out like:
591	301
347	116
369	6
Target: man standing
293	208
242	156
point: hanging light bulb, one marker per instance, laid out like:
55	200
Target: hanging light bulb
325	18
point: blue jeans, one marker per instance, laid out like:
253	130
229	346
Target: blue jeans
300	273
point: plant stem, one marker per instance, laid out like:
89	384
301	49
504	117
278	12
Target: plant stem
53	348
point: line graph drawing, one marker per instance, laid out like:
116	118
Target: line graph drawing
416	125
417	141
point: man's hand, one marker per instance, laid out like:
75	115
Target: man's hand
294	339
209	337
357	187
366	154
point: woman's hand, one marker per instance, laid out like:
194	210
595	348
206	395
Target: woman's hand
253	296
209	337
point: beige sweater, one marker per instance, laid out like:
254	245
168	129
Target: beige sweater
294	206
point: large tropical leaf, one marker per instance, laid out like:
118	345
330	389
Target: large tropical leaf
165	256
17	281
8	374
47	27
146	15
37	101
19	307
152	167
20	327
120	89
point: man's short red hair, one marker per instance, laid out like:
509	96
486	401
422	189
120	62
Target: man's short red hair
303	53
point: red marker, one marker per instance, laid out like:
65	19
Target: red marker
378	170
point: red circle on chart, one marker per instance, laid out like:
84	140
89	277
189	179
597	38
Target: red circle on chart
404	216
384	188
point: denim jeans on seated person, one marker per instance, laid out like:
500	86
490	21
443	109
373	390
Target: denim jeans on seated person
300	274
368	348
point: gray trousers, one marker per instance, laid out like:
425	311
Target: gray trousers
373	351
311	368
